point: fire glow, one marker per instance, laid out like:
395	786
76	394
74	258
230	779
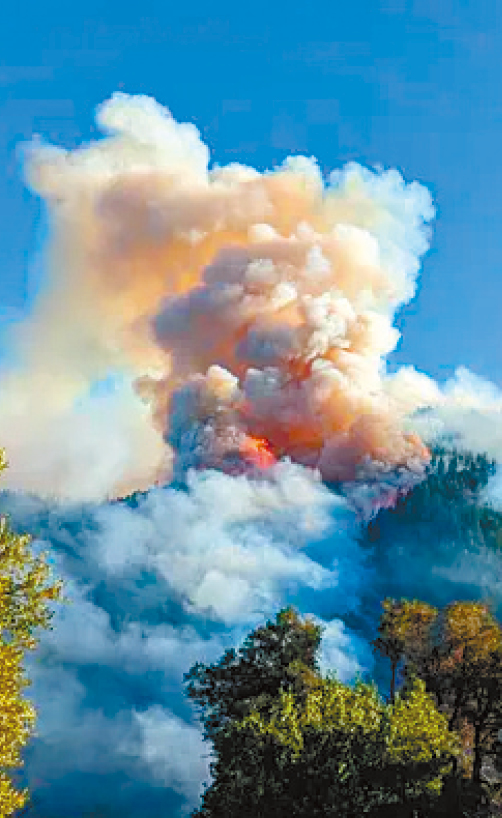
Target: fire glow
257	451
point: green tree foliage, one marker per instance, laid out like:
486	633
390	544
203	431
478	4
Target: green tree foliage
452	475
24	597
279	656
449	500
319	747
421	748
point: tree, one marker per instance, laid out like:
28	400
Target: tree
404	631
279	656
319	747
450	503
289	763
350	753
421	749
473	673
457	652
24	597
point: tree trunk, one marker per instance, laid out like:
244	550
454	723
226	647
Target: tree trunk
455	787
476	767
456	709
393	683
407	809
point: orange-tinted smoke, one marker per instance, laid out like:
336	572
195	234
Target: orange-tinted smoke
165	272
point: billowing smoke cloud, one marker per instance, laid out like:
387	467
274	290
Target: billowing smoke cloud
237	304
226	330
227	306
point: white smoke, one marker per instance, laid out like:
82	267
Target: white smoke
155	588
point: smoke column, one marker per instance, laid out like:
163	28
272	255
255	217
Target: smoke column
215	338
228	305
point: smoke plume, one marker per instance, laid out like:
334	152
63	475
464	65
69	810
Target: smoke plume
227	304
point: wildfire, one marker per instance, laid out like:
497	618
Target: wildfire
257	450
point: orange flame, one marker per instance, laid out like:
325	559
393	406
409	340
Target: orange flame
257	450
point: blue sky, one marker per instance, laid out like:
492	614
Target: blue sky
412	84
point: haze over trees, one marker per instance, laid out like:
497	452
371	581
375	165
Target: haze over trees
449	503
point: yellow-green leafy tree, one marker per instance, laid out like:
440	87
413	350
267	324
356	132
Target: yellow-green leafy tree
420	748
26	588
352	754
328	750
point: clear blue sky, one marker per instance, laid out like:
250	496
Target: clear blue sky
414	84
